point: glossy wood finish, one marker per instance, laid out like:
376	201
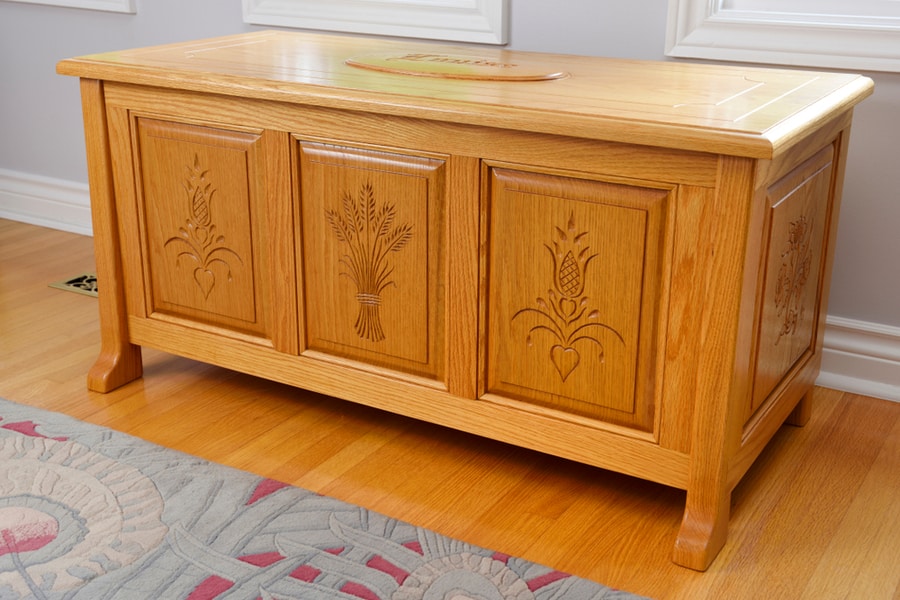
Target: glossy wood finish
120	360
698	107
626	266
576	271
814	518
382	217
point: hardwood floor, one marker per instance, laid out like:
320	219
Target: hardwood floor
816	517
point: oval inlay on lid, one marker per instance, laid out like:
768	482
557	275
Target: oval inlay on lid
454	66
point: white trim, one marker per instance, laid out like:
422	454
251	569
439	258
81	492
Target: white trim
53	203
862	358
120	6
865	36
482	21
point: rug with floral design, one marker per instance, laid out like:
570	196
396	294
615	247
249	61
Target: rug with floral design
91	513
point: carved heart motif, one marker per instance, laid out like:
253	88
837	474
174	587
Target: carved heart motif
568	306
564	359
206	279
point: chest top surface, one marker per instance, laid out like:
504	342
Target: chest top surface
719	108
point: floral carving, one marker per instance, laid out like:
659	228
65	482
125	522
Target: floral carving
796	263
564	313
201	242
370	235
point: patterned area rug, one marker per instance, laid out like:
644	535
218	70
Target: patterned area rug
91	513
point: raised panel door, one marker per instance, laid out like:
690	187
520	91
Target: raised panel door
798	218
574	278
201	193
373	256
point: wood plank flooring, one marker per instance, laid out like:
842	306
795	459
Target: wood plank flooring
818	516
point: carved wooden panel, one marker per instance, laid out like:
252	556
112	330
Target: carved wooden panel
373	254
798	219
573	282
201	191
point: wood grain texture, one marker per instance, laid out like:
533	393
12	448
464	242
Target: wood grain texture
745	111
815	517
496	257
573	286
200	195
797	221
119	361
374	255
576	152
722	383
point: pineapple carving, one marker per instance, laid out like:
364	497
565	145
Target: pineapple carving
564	313
198	238
370	235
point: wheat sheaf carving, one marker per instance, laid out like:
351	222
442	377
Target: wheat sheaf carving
564	313
202	243
370	236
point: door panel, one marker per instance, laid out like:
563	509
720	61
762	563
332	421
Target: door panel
574	280
202	197
373	246
797	222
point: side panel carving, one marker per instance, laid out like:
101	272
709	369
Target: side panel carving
574	280
793	276
373	256
792	266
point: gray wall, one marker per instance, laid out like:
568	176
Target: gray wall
40	119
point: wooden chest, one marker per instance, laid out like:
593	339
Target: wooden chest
618	262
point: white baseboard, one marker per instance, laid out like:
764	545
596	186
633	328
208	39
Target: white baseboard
38	200
858	357
862	358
